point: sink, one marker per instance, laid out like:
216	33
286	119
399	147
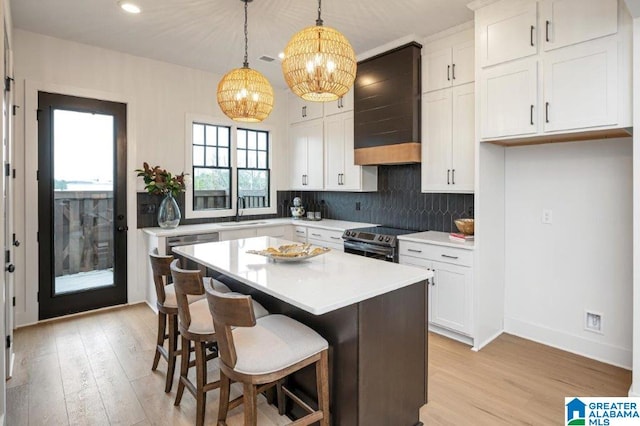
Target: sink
242	223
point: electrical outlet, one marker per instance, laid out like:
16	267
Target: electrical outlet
593	322
547	216
357	205
148	208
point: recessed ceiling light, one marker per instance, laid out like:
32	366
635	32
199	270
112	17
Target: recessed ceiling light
130	7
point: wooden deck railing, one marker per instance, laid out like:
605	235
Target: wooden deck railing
83	231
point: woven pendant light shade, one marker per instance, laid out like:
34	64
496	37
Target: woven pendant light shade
245	95
319	64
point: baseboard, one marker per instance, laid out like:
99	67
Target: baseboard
479	345
632	393
609	354
153	308
451	334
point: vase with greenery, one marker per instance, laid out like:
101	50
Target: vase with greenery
159	181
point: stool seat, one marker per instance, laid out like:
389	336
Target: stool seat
170	300
201	322
273	344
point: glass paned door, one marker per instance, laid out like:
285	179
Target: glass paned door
81	204
83	200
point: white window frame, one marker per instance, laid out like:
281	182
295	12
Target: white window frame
190	213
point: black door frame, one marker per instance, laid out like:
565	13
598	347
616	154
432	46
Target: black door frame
50	305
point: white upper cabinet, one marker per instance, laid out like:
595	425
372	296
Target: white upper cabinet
341	172
581	86
343	104
306	155
507	30
567	22
509	99
301	110
578	82
448	140
450	66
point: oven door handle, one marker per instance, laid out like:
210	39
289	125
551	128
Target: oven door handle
369	248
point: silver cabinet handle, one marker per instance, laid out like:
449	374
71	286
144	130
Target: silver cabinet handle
299	232
449	257
336	238
414	251
317	235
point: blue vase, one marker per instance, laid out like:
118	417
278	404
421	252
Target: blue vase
169	212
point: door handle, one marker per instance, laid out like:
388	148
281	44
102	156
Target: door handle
532	29
10	268
546	31
122	228
531	115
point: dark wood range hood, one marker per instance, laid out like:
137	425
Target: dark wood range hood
387	107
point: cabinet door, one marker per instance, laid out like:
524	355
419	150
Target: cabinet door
298	139
436	70
451	297
508	100
581	86
315	155
301	110
343	104
424	264
566	22
335	151
352	174
300	234
463	65
237	234
436	140
507	31
463	138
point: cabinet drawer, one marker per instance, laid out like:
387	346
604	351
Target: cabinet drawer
273	231
437	253
324	243
334	237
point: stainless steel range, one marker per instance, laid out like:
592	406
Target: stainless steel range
379	242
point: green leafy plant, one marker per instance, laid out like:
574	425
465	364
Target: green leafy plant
158	181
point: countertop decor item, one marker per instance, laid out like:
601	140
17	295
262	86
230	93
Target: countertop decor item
319	63
159	181
245	94
291	252
465	226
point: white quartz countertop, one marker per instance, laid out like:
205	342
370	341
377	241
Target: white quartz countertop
203	228
435	237
317	285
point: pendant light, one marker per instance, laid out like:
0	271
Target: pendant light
319	63
245	94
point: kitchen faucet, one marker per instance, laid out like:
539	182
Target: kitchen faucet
240	200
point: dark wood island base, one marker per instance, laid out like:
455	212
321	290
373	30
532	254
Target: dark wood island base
377	355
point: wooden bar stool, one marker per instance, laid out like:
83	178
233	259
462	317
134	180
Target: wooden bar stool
168	313
261	353
196	326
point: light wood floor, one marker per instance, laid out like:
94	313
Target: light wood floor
95	369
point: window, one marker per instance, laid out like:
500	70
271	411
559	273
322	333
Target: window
211	158
253	168
229	167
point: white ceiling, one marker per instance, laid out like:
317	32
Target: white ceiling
208	34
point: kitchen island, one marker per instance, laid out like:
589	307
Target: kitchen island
371	312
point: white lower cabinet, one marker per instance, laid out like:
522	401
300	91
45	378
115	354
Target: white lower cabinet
236	234
325	238
300	234
450	291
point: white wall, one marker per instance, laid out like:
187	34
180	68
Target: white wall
158	94
583	260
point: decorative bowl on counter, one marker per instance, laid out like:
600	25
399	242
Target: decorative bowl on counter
465	226
291	252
